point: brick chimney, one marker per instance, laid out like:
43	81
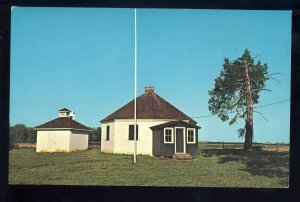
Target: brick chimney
149	89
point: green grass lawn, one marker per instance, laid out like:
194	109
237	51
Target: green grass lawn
210	168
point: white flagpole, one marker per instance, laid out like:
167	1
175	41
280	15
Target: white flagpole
135	59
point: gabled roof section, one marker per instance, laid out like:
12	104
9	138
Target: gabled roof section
64	109
175	123
63	122
149	106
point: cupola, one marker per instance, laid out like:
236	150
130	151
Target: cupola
66	113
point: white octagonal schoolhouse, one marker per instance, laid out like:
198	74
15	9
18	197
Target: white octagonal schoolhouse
162	129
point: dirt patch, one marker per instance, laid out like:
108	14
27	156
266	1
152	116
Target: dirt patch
283	148
26	145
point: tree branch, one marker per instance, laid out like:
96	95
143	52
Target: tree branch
237	103
275	74
261	115
256	56
268	76
257	89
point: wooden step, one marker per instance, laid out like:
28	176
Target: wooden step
182	156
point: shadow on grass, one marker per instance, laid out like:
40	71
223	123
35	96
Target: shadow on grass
258	162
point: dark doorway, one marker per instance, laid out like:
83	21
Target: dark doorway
179	140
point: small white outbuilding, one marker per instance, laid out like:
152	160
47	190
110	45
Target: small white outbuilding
62	134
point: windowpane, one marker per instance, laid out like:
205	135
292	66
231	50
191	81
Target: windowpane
107	132
168	135
191	136
131	132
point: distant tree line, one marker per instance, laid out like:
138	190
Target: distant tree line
20	133
95	135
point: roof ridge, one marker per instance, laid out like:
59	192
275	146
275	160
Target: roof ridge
156	98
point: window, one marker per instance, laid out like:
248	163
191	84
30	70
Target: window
131	132
168	135
107	132
191	138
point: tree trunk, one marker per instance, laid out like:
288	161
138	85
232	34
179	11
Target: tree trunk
248	136
249	115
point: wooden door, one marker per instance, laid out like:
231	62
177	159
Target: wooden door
179	135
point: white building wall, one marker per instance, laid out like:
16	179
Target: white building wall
107	146
121	144
79	141
53	141
62	139
42	141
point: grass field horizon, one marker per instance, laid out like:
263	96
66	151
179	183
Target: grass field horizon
211	167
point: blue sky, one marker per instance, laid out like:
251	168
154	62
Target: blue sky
83	59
